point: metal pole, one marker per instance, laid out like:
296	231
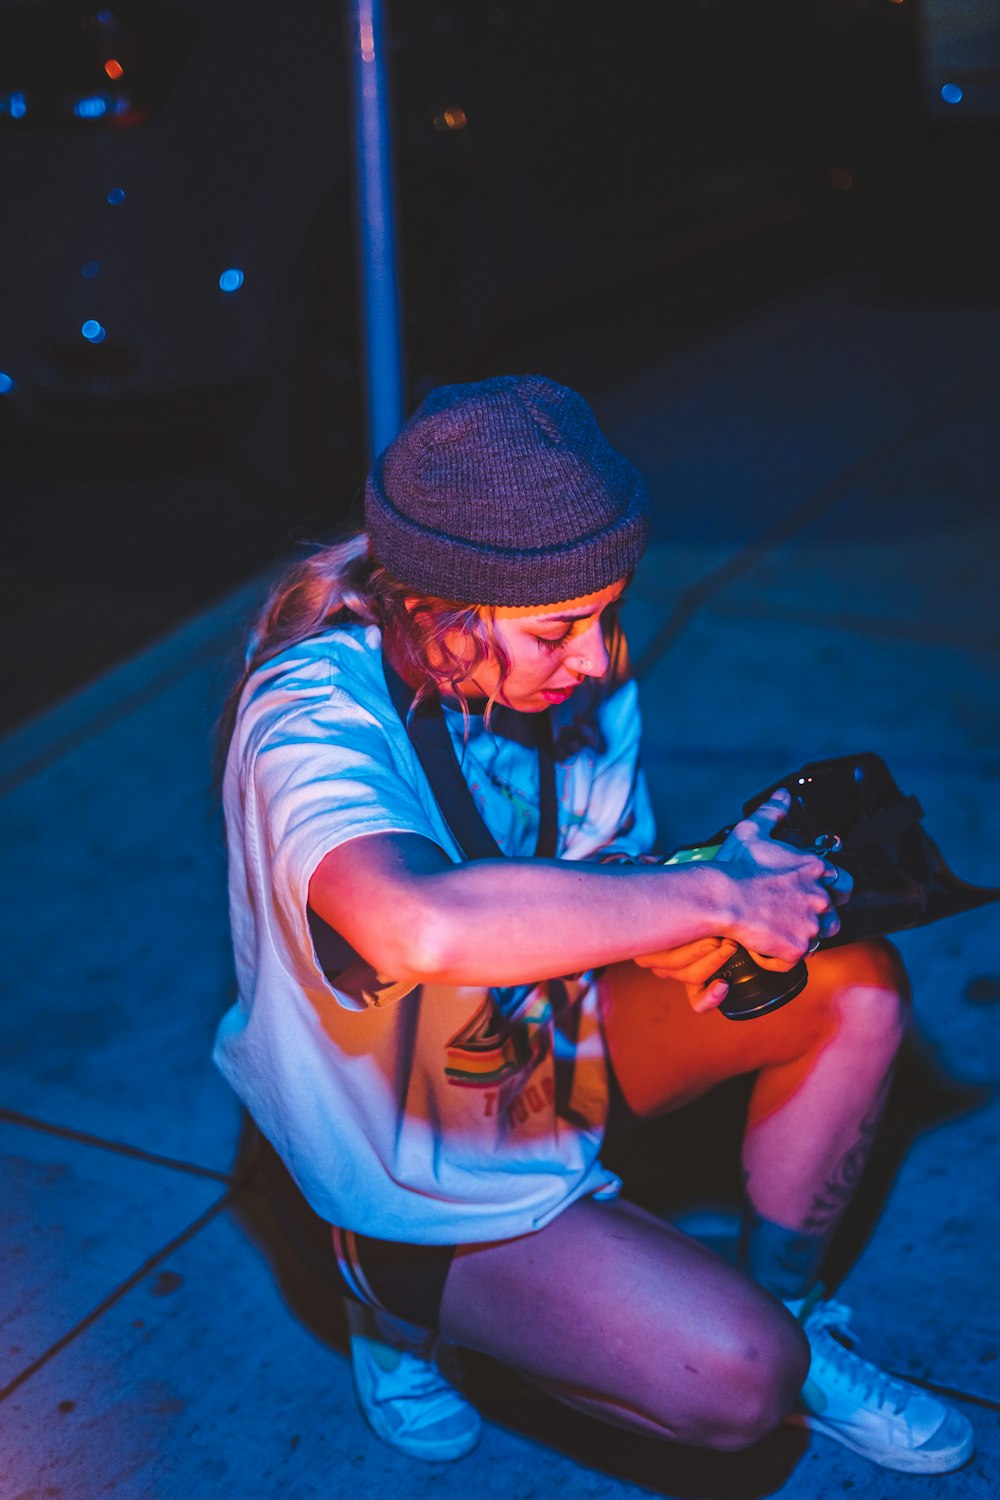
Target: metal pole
376	226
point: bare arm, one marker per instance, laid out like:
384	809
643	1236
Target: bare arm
414	915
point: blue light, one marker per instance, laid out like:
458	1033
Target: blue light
952	94
90	269
93	332
232	280
6	383
116	195
92	108
105	17
17	106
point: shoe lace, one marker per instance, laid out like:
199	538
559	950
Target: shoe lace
874	1386
416	1379
421	1375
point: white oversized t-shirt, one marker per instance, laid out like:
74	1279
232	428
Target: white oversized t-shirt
430	1114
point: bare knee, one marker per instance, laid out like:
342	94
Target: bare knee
754	1377
866	986
877	994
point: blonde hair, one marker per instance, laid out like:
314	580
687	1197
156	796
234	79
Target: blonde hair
345	584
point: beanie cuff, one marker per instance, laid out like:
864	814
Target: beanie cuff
448	567
505	492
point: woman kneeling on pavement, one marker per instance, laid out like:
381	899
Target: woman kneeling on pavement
438	1046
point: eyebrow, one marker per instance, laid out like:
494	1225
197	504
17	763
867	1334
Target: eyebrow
585	614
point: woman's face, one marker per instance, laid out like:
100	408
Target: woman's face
551	651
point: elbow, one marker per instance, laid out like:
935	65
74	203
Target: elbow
418	948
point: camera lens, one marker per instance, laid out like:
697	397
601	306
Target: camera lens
754	991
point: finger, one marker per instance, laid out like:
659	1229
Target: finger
708	998
650	961
839	882
771	812
673	960
829	924
777	965
691	953
705	968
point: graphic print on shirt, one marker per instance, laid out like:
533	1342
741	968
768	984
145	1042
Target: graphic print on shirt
520	805
490	1049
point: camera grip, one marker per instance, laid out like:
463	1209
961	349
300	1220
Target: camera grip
754	991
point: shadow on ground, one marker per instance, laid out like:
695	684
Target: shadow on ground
668	1165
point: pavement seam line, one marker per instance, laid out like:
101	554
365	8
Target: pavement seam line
111	715
119	1148
119	1292
905	630
835	490
987	1402
226	623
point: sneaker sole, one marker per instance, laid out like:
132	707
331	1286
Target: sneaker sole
912	1462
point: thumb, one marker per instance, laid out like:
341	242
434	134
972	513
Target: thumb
770	813
708	997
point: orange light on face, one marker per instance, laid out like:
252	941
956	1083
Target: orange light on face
113	68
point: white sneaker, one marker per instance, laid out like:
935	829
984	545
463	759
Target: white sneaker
403	1396
890	1421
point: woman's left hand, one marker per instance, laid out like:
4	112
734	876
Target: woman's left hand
693	965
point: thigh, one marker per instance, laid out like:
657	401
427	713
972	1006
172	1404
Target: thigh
614	1311
664	1054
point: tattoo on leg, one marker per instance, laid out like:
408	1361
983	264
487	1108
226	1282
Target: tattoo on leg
832	1199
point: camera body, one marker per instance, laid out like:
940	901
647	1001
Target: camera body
850	810
753	991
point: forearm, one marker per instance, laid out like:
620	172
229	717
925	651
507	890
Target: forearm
415	915
532	919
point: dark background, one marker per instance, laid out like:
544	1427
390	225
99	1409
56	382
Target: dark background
583	189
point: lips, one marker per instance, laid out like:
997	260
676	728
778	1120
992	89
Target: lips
559	695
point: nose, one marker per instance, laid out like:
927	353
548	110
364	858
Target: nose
591	654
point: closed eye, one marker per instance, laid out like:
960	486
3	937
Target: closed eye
552	643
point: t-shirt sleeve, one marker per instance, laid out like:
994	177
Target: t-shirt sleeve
318	776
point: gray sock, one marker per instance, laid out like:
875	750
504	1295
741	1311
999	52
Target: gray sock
784	1261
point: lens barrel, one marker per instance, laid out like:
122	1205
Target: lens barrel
754	991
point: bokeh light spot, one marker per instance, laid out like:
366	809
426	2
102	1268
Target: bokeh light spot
6	383
952	94
90	269
231	280
116	195
92	108
113	68
93	332
451	119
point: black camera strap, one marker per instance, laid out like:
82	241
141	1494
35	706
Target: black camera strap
435	750
429	736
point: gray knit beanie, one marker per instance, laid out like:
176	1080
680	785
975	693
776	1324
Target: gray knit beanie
505	492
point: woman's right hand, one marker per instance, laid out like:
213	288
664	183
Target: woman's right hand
782	898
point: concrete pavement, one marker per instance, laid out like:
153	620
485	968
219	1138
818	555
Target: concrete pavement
829	587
